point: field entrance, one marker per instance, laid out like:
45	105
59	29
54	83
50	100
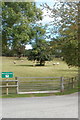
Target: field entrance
39	84
25	85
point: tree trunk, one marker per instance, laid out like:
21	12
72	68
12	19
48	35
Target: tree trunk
42	63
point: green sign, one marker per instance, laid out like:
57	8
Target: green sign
7	74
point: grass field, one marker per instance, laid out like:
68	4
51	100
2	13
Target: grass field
26	68
39	94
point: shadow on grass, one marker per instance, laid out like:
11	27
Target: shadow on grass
34	65
69	70
26	65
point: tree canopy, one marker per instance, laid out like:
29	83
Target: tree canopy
65	24
20	26
40	47
17	20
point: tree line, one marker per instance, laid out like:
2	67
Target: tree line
20	26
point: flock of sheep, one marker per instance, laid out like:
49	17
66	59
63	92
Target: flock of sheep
57	63
15	61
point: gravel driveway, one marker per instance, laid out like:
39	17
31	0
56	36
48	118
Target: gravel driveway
65	106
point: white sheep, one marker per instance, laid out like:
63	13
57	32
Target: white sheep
22	60
56	63
14	62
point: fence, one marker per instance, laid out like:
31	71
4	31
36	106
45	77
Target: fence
38	84
71	83
9	84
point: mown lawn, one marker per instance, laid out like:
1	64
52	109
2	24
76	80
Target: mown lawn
26	68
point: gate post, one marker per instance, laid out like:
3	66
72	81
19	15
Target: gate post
17	88
72	82
7	92
61	84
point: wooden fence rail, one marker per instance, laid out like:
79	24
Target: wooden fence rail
37	82
40	84
7	85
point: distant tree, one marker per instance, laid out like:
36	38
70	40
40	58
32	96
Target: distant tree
17	20
40	52
40	47
20	50
55	47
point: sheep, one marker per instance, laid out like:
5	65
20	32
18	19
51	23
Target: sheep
14	62
22	60
56	63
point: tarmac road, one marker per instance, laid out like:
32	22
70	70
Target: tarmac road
65	106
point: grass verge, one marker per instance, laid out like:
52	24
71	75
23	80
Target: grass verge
40	94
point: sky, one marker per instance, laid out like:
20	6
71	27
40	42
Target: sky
28	47
46	19
50	1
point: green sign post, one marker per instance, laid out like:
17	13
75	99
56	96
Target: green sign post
7	74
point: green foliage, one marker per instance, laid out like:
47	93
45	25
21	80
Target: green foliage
70	53
69	31
40	52
41	49
65	24
17	19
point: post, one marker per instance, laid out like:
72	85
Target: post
69	84
17	88
7	92
72	82
62	84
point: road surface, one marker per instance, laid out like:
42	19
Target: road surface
65	106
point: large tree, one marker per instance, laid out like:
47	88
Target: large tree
41	51
17	20
65	25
